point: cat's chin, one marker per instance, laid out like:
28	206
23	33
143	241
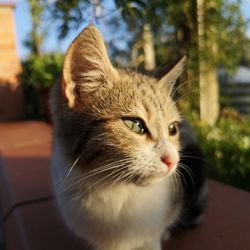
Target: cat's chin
150	180
155	177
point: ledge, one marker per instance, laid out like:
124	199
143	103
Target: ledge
32	222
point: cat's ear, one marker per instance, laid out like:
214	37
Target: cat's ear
87	67
171	76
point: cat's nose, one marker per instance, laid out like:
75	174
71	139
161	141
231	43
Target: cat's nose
168	161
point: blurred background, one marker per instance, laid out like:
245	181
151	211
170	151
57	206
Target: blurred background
149	36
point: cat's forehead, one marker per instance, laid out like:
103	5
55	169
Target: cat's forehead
141	87
138	95
135	80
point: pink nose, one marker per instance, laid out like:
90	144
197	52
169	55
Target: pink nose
168	161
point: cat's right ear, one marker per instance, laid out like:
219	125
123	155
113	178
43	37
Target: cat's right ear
87	67
169	79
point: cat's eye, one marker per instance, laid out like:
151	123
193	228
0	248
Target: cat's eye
135	124
173	128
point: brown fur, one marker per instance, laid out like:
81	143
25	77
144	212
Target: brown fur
89	105
115	94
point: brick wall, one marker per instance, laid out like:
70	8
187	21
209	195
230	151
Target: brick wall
11	97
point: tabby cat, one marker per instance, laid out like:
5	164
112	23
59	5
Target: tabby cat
118	170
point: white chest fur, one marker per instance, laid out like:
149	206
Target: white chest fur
117	217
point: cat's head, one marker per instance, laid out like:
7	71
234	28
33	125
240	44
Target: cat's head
129	121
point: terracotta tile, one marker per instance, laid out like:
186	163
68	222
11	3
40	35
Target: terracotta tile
14	236
226	225
41	228
25	175
19	134
42	149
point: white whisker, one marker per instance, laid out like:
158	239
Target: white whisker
189	173
73	165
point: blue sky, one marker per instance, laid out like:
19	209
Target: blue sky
51	44
23	26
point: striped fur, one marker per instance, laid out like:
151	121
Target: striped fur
111	186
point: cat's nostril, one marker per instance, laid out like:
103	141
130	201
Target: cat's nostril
166	159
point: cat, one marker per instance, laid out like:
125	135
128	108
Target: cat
116	153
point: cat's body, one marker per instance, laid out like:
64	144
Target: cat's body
116	151
123	217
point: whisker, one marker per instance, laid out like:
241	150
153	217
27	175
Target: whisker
73	165
181	97
180	175
107	167
175	181
84	177
189	172
105	177
124	176
180	86
111	164
192	157
104	168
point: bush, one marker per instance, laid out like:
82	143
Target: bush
227	150
41	71
38	74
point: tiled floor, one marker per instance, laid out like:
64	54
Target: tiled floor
32	221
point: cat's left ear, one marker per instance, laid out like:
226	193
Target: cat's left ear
170	78
86	68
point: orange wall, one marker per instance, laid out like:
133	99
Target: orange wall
9	61
11	97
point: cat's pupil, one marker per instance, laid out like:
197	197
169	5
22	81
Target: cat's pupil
173	129
135	125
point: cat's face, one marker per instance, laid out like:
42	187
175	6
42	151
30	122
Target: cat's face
130	121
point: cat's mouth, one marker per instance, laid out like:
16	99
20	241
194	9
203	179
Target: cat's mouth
153	177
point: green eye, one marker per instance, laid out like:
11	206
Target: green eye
135	124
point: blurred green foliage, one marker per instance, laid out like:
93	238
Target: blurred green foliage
174	25
41	71
226	147
38	74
